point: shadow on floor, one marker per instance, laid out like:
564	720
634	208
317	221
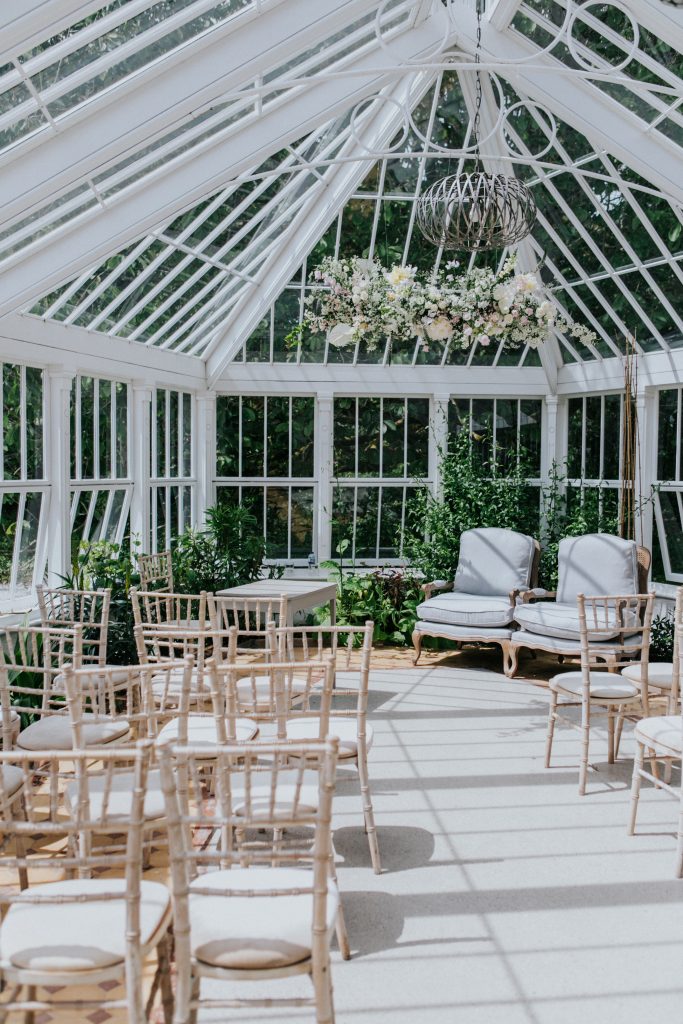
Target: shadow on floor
401	847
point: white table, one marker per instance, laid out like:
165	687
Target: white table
301	595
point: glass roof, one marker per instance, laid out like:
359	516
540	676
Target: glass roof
607	240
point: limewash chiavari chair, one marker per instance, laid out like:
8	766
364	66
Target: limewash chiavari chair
249	616
63	608
164	650
80	927
623	621
32	660
659	738
157	609
156	571
348	723
250	906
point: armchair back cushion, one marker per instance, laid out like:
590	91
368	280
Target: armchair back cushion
493	562
597	563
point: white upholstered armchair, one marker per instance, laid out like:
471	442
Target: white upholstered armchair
495	565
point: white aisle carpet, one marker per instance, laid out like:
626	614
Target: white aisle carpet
506	898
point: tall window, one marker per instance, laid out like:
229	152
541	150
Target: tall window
381	455
509	429
593	467
171	476
23	491
668	496
265	460
100	483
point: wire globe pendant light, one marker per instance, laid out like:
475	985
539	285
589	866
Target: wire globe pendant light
478	211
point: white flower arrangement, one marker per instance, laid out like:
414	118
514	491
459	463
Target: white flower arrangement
357	299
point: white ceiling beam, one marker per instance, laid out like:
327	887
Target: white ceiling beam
663	19
502	12
326	198
90	238
24	23
206	70
30	339
607	124
655	369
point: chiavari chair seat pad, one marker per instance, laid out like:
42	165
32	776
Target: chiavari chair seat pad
114	675
72	936
345	729
201	731
603	685
660	674
169	685
261	687
255	932
12	780
262	802
116	795
54	732
662	733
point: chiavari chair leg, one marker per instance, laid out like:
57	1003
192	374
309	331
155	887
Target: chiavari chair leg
322	985
29	1015
368	812
552	717
196	981
164	956
618	731
679	838
635	786
610	735
340	928
585	747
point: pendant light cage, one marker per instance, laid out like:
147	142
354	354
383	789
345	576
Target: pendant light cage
476	212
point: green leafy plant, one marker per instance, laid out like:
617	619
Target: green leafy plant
662	638
102	565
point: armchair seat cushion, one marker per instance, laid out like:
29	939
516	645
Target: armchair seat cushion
555	619
458	609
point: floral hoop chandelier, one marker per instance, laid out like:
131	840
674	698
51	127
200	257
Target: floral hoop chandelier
478	211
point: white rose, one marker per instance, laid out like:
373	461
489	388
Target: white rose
439	329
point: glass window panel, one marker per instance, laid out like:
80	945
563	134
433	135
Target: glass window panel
105	427
390	531
392	231
81	499
612	437
117	505
668	432
174	517
356	227
227	435
186	468
9	513
161	518
368	436
286	316
253	499
673	527
303	436
277	509
506	435
575	438
121	469
418	438
367	508
98	523
160	469
29	539
301	542
342	520
530	418
593	414
252	436
345	437
482	428
72	431
173	436
458	415
393	437
277	454
34	423
87	428
11	427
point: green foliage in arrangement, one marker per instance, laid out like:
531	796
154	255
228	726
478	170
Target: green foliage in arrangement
229	552
387	596
101	565
662	638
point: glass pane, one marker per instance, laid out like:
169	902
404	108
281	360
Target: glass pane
303	436
393	437
418	438
160	469
72	431
506	435
286	316
342	520
105	428
121	469
161	518
368	436
227	435
11	426
82	500
673	528
173	435
390	539
593	415
87	428
575	433
530	413
174	517
482	427
345	437
612	437
186	468
98	524
115	516
277	455
29	539
366	522
252	498
252	436
668	431
34	423
9	511
277	510
302	522
458	415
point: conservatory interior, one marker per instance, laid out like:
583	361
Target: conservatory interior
341	511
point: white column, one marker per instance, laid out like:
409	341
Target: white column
438	439
553	447
646	464
204	455
140	464
324	455
58	449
